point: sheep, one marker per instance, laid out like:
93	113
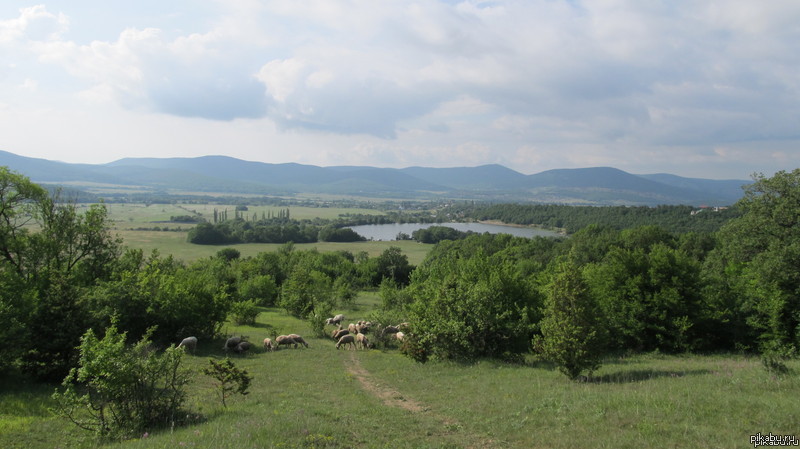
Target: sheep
352	328
268	346
337	334
362	341
243	346
285	340
232	343
188	343
399	336
298	339
348	339
335	320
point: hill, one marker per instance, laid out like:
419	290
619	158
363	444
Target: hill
586	186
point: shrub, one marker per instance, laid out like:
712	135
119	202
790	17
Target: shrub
244	312
230	379
122	391
571	336
316	319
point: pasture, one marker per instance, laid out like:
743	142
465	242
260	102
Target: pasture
323	398
129	220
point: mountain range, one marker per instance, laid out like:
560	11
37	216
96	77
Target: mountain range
222	174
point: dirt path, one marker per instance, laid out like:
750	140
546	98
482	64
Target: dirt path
394	398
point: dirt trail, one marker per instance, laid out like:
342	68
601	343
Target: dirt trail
394	398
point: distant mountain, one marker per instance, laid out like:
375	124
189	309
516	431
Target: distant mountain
589	186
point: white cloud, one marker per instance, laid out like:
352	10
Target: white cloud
537	83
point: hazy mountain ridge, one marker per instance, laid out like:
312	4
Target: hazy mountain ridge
595	186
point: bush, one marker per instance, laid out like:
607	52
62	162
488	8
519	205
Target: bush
244	312
316	319
121	391
571	335
261	289
230	379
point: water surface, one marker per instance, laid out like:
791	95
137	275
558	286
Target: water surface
389	231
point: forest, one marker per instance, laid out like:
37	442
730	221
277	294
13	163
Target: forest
605	289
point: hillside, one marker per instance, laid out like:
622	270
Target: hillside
586	186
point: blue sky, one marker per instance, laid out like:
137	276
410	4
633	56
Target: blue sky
695	88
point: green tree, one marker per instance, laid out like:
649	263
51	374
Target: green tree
754	266
49	253
571	334
392	264
304	290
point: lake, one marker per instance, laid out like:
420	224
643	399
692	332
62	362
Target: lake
390	231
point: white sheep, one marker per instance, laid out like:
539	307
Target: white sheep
348	339
362	341
282	340
399	336
188	343
335	320
268	346
338	333
298	339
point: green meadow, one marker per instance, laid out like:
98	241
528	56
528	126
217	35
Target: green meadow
321	397
134	223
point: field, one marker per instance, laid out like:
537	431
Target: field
135	224
323	398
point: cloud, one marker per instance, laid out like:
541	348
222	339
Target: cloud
581	82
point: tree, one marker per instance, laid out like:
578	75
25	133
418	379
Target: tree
49	253
392	264
754	266
571	335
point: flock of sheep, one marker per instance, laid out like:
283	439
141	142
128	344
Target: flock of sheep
353	337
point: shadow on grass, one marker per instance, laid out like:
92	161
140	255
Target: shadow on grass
642	375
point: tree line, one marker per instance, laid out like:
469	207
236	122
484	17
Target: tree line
675	218
605	290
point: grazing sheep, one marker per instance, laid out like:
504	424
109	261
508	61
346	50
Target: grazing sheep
232	343
298	339
188	343
352	328
348	339
242	347
362	341
399	336
268	345
285	340
338	333
335	320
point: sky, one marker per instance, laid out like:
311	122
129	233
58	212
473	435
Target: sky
696	88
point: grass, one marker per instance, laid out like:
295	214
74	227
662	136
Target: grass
127	218
323	398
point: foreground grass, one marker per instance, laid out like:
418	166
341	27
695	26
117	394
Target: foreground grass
315	398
